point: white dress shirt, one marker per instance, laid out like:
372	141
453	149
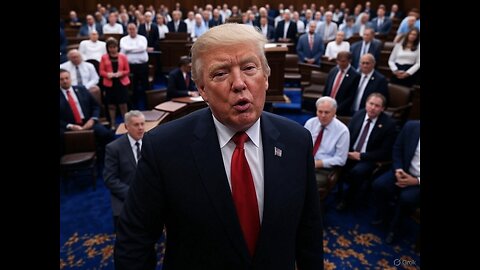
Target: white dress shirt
87	71
253	153
92	50
415	164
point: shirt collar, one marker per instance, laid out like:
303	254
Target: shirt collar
133	141
225	134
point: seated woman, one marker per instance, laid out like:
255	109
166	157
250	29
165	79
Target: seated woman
404	60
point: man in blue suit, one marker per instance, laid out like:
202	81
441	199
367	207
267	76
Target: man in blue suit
233	185
368	45
403	180
88	27
307	54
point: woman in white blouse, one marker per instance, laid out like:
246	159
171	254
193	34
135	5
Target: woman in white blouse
404	60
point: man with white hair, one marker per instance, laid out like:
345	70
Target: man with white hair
82	73
286	30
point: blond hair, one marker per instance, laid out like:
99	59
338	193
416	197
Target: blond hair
227	35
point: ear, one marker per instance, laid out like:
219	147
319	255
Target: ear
202	92
266	83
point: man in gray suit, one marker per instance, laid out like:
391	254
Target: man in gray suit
121	159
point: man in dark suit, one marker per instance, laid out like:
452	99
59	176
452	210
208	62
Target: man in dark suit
381	24
372	134
267	29
342	82
81	113
370	81
176	24
233	185
310	54
180	83
402	180
121	157
368	45
286	30
150	31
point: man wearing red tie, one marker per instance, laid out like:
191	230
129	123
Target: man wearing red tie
330	139
180	82
79	111
233	185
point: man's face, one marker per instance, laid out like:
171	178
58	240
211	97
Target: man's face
234	85
366	64
374	107
136	127
65	80
325	113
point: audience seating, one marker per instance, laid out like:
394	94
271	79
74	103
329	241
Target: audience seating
400	102
305	72
314	91
292	72
326	65
79	154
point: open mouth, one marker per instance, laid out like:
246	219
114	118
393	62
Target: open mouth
242	105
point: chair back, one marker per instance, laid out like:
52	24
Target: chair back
155	97
79	141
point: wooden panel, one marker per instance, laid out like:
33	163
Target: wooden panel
83	7
172	50
276	61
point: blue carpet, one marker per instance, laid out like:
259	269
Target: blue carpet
350	242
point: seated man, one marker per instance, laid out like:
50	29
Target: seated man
372	133
79	111
403	180
330	137
180	83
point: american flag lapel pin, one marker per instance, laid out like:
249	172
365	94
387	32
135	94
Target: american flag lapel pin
278	152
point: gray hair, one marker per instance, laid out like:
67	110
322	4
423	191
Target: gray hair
227	35
133	113
330	100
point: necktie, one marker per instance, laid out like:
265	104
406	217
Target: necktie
310	42
139	155
187	80
336	84
360	92
73	106
364	51
79	76
244	195
318	140
361	141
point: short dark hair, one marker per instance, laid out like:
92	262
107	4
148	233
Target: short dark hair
184	60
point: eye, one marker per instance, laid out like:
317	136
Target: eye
250	69
219	75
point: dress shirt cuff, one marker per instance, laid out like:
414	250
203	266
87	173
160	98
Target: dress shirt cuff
418	179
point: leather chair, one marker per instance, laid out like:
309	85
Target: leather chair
155	97
314	91
332	180
292	72
400	102
305	72
79	155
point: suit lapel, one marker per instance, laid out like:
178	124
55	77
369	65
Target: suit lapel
273	175
215	179
128	149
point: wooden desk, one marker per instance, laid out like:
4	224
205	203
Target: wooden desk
172	50
148	124
276	81
193	103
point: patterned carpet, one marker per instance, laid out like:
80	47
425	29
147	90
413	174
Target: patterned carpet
87	238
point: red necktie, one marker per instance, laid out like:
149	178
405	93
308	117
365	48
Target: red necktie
244	195
361	141
336	84
310	41
73	106
318	140
187	80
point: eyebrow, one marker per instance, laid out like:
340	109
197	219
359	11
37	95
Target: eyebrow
224	63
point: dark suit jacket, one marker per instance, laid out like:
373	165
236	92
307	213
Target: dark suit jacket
375	48
182	27
119	171
291	32
90	107
377	83
405	145
181	182
346	91
384	28
176	84
380	141
303	48
152	36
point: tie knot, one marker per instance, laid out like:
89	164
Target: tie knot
137	144
240	138
369	120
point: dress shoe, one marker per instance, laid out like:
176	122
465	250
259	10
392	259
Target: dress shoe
390	237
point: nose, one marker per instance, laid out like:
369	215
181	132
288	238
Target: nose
238	83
